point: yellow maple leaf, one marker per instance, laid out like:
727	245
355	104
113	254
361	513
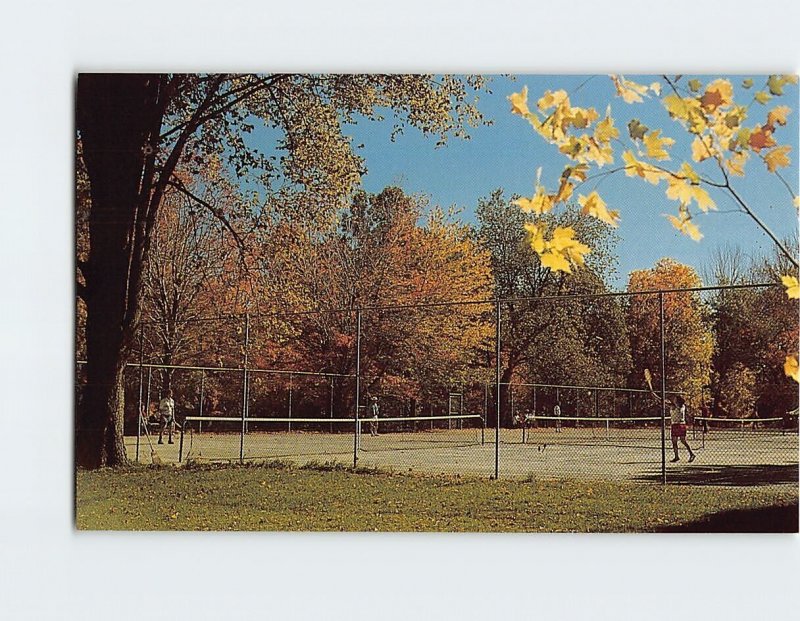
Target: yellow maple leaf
550	99
735	164
679	189
564	191
631	92
578	172
777	157
792	287
702	148
539	203
582	117
702	198
564	240
604	131
719	94
778	115
519	102
535	237
556	261
796	201
594	206
656	146
656	88
634	167
791	368
684	225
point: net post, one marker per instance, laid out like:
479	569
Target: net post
497	390
141	382
180	444
358	386
663	388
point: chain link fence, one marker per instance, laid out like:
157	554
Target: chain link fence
466	388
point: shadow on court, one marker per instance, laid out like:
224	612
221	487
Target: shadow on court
761	520
739	475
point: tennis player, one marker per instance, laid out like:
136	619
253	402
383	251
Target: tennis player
373	423
557	414
166	409
677	413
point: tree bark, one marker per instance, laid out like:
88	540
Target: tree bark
115	121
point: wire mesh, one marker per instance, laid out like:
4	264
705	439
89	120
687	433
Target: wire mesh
517	388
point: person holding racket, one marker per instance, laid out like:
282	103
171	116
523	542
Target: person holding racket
167	411
373	422
677	414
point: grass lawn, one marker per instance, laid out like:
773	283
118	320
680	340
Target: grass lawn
280	497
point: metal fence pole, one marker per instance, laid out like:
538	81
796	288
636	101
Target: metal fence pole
202	395
663	389
290	401
497	390
244	384
141	383
331	403
358	385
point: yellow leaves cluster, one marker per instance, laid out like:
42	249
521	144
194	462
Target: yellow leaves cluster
630	91
634	167
594	206
792	287
777	157
791	368
684	223
559	116
656	146
561	252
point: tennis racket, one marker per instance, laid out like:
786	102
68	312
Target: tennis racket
649	379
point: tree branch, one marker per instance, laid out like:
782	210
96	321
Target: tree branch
216	211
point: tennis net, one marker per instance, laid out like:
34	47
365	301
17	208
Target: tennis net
644	430
215	438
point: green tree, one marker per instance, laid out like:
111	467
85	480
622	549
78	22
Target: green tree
136	130
550	340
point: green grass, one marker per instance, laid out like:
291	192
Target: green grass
327	497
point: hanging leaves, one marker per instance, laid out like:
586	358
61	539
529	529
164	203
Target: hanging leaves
792	287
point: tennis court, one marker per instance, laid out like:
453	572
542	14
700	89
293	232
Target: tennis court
595	449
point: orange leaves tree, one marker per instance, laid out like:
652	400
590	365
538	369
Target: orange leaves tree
688	339
723	134
382	250
135	131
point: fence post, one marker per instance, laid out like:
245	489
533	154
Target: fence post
141	382
663	389
497	390
202	395
358	385
244	384
290	401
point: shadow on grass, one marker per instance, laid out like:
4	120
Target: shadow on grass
761	520
730	475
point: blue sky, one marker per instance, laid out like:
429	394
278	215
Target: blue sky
508	153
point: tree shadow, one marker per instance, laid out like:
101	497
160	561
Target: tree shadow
739	475
761	520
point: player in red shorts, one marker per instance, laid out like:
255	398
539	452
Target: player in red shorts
677	413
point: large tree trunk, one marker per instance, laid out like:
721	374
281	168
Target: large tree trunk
115	121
